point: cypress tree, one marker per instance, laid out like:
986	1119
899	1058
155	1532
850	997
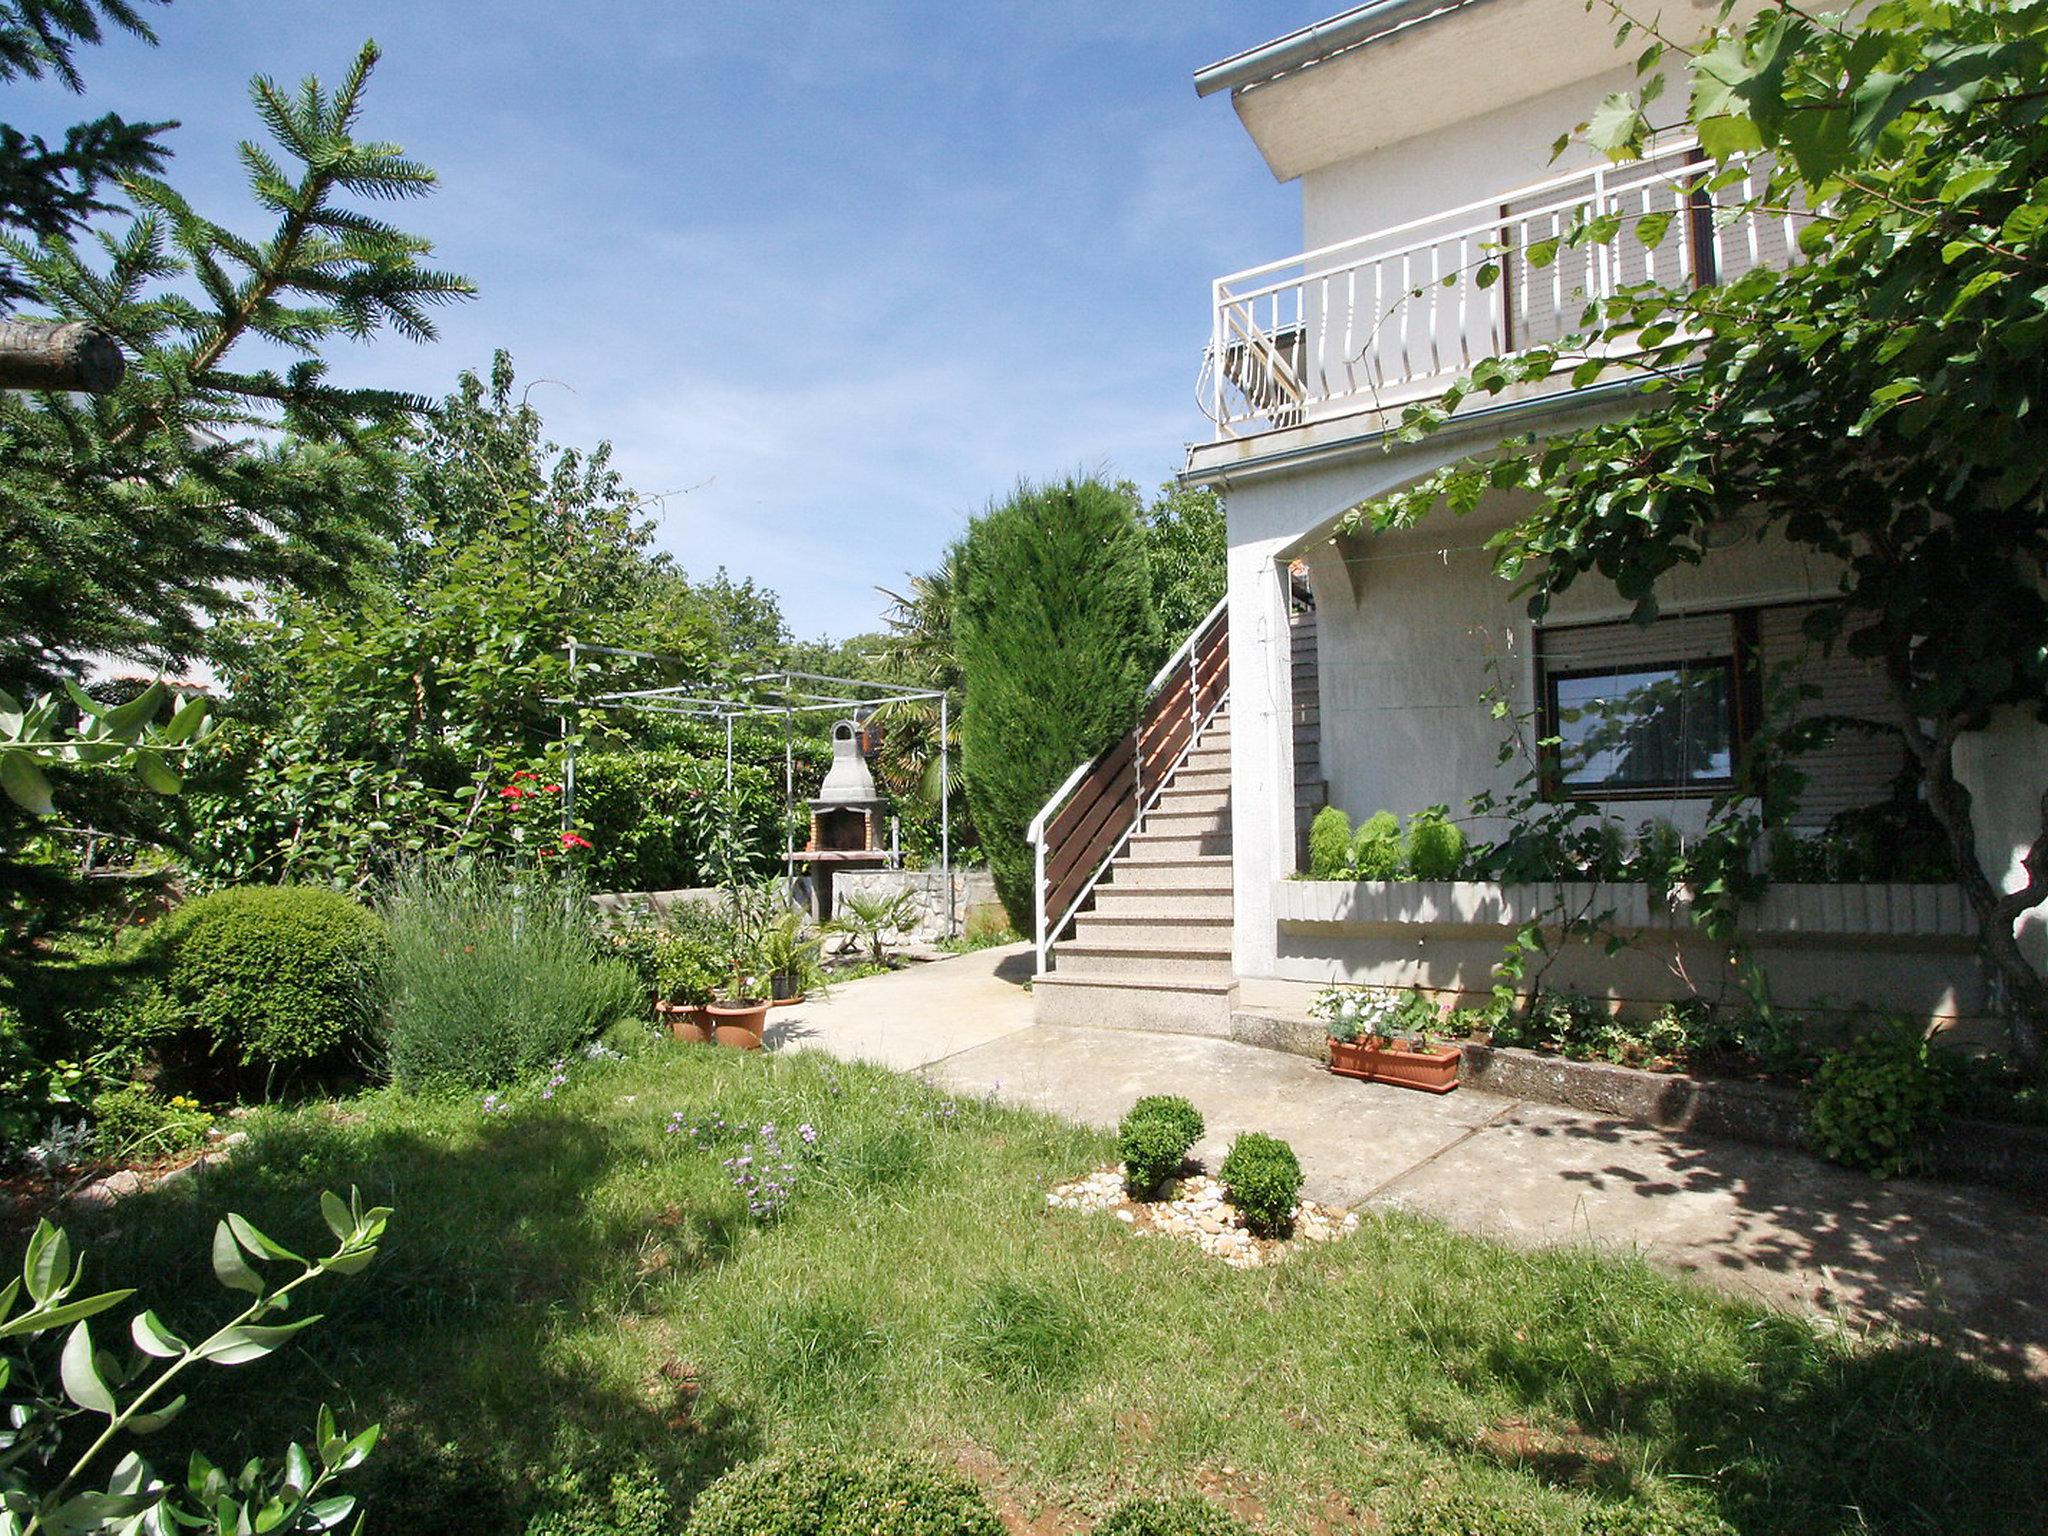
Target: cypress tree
1057	637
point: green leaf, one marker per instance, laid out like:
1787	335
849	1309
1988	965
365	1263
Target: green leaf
230	1267
46	1266
1651	227
24	782
155	774
153	1338
340	1219
150	1423
43	1319
80	1371
250	1341
257	1243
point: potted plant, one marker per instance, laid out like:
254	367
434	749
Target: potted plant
1384	1037
740	1002
686	983
790	957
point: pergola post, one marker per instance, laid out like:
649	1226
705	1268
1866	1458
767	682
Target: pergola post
946	812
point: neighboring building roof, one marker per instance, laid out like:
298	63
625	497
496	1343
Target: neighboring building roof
1355	28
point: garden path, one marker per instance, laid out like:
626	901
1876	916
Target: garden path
1967	1264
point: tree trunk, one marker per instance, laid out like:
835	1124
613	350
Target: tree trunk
1996	911
43	354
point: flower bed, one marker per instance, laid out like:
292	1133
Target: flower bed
1196	1209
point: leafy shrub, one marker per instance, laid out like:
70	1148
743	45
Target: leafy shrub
492	979
654	815
1153	1140
131	1122
1436	847
1877	1104
97	1486
580	1501
1057	636
1329	844
1184	1516
1024	1335
32	1091
1376	850
277	978
826	1493
1262	1176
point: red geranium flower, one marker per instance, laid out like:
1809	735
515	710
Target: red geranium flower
571	840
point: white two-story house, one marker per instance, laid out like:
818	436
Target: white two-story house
1362	670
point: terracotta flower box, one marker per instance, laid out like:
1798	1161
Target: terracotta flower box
739	1024
1433	1070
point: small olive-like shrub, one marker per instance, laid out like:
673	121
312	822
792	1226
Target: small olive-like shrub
1329	844
1436	846
276	978
1877	1104
1262	1176
1465	1516
824	1493
1153	1139
1184	1516
1376	850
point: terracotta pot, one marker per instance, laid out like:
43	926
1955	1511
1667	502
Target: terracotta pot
739	1024
685	1021
1379	1061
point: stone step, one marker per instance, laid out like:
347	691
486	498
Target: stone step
1148	846
1191	777
1184	801
1167	819
1166	1005
1160	903
1206	759
1315	792
1166	873
1143	957
1108	927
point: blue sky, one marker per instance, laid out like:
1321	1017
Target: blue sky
833	275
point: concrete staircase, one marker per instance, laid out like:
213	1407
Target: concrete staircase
1153	952
1311	790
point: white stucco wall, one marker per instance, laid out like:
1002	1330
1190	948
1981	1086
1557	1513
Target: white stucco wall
1420	177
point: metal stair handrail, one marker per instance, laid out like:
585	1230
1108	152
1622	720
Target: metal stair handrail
1079	832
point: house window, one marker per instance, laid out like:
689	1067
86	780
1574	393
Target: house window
1664	710
1656	709
1666	726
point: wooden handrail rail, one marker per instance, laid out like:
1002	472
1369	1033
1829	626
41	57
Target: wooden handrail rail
1078	833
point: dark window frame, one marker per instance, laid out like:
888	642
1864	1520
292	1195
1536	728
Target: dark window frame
1738	667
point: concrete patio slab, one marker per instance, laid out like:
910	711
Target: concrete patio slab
1779	1227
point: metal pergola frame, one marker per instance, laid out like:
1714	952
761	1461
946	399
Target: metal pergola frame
785	693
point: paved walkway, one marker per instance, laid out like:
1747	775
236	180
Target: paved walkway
1776	1226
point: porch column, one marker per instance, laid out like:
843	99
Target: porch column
1262	748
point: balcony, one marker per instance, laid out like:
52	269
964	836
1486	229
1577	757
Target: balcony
1390	318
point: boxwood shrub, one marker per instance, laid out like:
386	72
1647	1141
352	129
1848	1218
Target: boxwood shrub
1263	1179
278	979
825	1493
1153	1139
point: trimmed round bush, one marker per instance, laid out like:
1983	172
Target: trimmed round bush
1184	1516
1376	850
1153	1140
1329	844
1262	1176
1436	847
275	978
825	1493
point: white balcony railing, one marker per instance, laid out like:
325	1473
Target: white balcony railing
1395	316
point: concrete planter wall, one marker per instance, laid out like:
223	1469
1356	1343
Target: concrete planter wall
1905	947
971	888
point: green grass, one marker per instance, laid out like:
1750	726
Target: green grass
568	1291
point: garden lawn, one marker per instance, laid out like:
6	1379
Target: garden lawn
572	1291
